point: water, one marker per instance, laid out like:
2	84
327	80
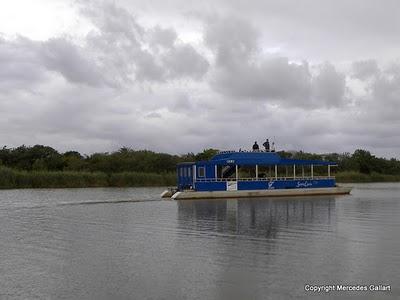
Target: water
125	244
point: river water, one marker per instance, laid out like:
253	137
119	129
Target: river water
127	244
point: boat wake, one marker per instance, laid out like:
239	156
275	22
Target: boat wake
104	202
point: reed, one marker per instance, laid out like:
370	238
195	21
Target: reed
355	177
13	179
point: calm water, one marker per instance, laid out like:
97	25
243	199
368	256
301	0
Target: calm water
125	244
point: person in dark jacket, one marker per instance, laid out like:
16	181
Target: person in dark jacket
266	145
255	146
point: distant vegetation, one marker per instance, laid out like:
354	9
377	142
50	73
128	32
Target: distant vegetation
11	178
42	166
361	161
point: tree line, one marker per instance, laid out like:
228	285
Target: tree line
45	158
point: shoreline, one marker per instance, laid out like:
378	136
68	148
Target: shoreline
356	177
16	179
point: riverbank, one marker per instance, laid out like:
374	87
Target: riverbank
356	177
15	179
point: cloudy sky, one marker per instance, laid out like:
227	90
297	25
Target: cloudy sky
181	75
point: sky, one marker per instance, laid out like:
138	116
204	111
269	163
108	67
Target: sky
181	76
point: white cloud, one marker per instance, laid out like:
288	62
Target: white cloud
135	82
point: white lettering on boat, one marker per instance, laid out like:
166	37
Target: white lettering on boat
303	184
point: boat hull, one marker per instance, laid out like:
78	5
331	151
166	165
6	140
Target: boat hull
261	193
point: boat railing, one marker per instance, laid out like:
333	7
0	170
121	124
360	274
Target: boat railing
241	151
263	179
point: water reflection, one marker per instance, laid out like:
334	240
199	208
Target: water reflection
53	248
255	217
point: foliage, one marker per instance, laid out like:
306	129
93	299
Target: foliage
207	154
43	166
44	158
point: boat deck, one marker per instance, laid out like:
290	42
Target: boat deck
190	194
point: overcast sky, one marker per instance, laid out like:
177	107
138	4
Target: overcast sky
179	76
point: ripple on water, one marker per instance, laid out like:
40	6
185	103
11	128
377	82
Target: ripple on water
125	243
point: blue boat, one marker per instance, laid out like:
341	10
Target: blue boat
236	174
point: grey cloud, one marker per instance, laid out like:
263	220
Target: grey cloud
364	69
20	66
184	61
273	79
239	93
154	115
329	86
233	39
373	121
182	104
114	23
71	61
180	61
24	62
147	67
392	70
324	30
132	51
165	37
243	71
384	98
116	54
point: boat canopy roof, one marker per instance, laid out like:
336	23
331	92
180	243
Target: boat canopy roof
258	158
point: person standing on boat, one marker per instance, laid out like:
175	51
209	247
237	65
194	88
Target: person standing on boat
255	146
266	145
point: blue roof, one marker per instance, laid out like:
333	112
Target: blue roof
259	158
288	161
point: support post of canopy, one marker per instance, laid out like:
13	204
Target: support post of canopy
256	172
237	172
329	170
312	171
194	173
294	171
276	172
302	171
216	172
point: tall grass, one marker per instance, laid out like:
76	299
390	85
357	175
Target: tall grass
350	176
11	179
